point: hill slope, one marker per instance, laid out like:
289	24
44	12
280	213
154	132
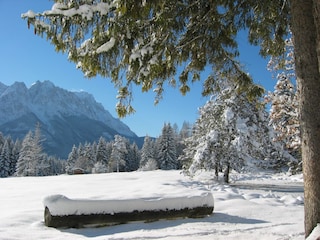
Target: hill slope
66	118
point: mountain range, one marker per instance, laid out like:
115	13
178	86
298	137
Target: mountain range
66	118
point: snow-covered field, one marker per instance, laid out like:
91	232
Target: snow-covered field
263	206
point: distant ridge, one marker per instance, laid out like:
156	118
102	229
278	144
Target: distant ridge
66	118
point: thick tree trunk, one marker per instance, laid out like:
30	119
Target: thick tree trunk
305	28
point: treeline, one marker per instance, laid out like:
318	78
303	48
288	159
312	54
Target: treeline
120	155
27	158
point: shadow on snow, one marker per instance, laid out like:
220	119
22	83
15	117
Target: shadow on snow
216	217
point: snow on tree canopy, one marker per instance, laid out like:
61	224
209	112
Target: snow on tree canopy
107	46
232	132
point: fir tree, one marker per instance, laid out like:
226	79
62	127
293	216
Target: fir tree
166	146
85	160
232	132
284	113
119	150
26	164
147	152
102	157
72	158
134	158
101	154
5	159
15	156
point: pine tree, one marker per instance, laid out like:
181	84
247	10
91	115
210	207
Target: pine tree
2	140
166	146
72	158
43	166
181	136
85	160
102	156
284	114
26	165
5	159
57	166
15	156
232	133
147	153
134	158
31	155
38	155
119	150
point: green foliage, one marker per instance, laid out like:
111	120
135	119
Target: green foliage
147	43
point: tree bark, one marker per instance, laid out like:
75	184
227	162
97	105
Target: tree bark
305	29
226	173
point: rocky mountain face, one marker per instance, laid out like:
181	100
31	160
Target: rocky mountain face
66	118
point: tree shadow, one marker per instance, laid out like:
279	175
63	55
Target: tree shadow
216	217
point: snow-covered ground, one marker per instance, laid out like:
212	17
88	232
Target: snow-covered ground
263	206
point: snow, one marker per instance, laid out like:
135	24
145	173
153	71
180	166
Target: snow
107	46
29	14
261	206
315	233
85	10
60	205
228	114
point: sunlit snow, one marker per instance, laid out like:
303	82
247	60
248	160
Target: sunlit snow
261	206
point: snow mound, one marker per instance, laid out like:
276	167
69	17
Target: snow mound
60	205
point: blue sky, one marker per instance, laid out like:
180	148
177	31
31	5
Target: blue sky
27	58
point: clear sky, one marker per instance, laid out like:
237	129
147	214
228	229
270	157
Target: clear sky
27	58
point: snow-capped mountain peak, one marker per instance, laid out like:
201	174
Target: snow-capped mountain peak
56	109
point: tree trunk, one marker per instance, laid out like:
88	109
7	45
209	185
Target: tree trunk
226	173
216	170
305	29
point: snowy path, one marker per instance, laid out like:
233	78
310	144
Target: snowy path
293	188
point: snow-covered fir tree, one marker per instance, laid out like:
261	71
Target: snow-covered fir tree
9	153
55	166
284	112
31	154
2	139
85	160
72	158
180	137
232	132
119	150
102	156
5	159
166	147
15	156
26	165
133	157
148	155
43	167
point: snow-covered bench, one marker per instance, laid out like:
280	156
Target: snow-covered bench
62	212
